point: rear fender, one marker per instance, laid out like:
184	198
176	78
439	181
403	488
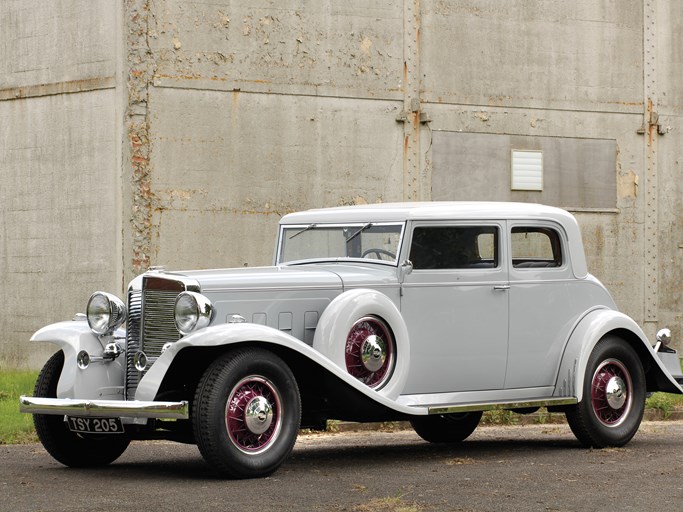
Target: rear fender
589	331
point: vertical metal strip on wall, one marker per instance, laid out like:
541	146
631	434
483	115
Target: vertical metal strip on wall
651	210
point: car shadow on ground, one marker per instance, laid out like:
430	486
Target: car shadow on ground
151	462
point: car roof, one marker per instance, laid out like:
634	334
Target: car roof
449	210
445	210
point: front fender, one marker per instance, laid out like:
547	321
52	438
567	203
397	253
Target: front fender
588	332
99	380
234	334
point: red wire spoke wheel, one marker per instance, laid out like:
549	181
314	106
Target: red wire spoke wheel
611	392
253	414
369	351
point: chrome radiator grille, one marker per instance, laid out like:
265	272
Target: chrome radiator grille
133	341
158	324
150	324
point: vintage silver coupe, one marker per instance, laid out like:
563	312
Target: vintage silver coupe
427	312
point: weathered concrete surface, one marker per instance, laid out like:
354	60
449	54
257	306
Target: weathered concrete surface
59	194
196	124
211	185
325	48
58	197
55	42
582	55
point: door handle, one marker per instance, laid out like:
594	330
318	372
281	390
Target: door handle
501	287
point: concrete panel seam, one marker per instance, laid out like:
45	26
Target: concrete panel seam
311	91
70	87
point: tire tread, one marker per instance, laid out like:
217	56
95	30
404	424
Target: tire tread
209	406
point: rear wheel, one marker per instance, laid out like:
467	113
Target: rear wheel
446	428
246	413
70	448
613	402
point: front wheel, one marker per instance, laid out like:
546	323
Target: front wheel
246	414
69	448
613	402
446	428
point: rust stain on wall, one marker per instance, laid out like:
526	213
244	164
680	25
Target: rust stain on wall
140	74
627	185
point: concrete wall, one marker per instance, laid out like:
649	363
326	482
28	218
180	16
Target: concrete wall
196	125
567	70
58	166
259	109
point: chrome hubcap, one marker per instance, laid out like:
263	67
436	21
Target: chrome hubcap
615	392
373	353
258	415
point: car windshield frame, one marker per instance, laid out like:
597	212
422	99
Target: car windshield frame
352	232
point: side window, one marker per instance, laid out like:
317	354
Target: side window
536	247
451	247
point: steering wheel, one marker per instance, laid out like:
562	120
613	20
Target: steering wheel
378	253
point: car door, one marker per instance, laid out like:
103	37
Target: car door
455	304
544	303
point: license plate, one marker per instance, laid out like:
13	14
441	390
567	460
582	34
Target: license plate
95	425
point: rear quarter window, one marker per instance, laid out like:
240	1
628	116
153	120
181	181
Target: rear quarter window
536	247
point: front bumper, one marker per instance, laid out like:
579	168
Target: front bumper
105	408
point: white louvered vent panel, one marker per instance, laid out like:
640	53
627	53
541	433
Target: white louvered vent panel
527	170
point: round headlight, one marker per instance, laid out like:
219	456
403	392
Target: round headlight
192	311
105	313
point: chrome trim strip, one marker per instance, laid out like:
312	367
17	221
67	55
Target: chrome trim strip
296	288
497	406
105	408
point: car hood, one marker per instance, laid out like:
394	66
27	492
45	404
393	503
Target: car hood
332	276
255	278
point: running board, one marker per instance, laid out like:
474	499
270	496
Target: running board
499	406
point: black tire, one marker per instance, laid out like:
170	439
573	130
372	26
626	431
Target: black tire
69	448
446	428
244	386
613	402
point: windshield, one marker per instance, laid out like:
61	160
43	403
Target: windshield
374	241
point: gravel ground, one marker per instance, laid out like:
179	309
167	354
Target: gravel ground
522	467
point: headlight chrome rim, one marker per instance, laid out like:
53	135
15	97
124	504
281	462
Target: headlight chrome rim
105	313
192	311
